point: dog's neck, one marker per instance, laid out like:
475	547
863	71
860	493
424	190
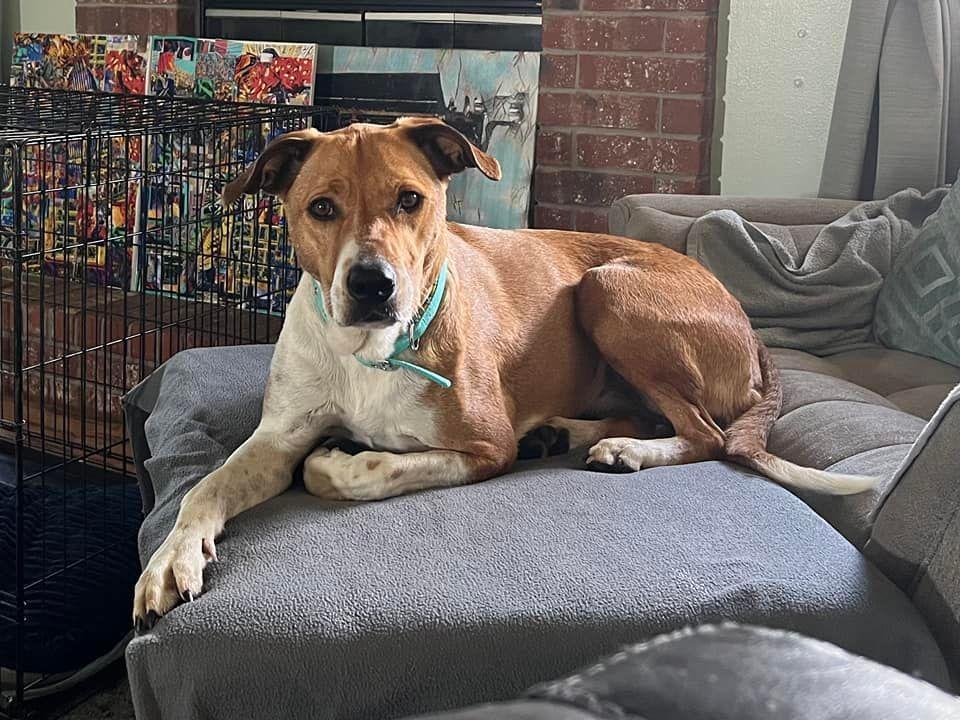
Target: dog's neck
378	344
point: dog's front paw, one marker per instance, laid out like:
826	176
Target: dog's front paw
322	468
174	573
332	474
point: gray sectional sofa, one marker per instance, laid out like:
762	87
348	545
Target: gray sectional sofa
472	594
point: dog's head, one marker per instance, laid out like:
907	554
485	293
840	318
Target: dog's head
366	208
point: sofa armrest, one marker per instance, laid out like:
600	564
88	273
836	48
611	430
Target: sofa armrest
668	218
916	535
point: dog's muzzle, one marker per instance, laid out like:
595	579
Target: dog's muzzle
372	288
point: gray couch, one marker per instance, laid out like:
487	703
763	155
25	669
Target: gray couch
446	598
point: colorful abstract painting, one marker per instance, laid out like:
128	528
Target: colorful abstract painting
173	66
258	72
112	63
125	65
490	96
216	65
276	73
63	62
74	227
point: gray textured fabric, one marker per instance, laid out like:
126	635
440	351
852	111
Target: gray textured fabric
918	309
821	301
824	433
666	219
896	117
916	536
445	598
732	672
777	211
921	401
830	423
517	710
138	403
888	371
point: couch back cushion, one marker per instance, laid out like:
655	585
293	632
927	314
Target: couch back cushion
918	309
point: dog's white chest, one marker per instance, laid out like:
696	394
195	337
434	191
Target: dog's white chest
383	409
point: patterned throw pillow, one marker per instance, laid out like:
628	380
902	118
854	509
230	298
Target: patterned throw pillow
918	309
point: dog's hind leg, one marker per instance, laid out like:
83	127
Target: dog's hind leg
698	438
692	359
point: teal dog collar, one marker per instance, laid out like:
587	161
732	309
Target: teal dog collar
409	340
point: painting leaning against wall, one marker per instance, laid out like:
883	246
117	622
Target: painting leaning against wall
238	70
111	63
65	62
490	96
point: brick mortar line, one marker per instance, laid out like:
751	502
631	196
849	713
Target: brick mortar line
620	14
632	172
621	132
626	93
565	52
566	206
559	206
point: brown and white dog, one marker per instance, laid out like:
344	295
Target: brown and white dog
571	331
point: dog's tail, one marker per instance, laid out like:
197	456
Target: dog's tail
746	443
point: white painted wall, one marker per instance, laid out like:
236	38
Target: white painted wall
782	62
53	16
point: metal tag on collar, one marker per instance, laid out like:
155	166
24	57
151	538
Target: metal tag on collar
412	337
384	365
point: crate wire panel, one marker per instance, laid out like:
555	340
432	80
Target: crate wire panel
115	253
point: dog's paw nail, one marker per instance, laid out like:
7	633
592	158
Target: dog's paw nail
186	596
145	624
209	549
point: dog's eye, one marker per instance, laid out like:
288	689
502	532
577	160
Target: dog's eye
409	200
323	209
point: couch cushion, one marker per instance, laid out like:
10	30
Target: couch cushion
447	597
921	401
855	412
834	424
914	383
891	371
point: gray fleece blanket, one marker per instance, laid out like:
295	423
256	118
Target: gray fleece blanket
819	298
327	610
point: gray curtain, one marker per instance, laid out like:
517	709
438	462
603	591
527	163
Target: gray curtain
896	118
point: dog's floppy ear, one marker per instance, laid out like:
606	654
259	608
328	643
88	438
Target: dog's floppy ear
276	168
447	149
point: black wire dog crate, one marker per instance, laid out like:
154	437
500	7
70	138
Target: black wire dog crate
115	253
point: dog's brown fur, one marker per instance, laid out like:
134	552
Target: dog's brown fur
534	320
537	328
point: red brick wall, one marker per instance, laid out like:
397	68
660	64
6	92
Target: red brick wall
137	17
626	103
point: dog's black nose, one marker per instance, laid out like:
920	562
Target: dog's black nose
371	282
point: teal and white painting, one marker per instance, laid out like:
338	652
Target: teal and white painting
490	96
